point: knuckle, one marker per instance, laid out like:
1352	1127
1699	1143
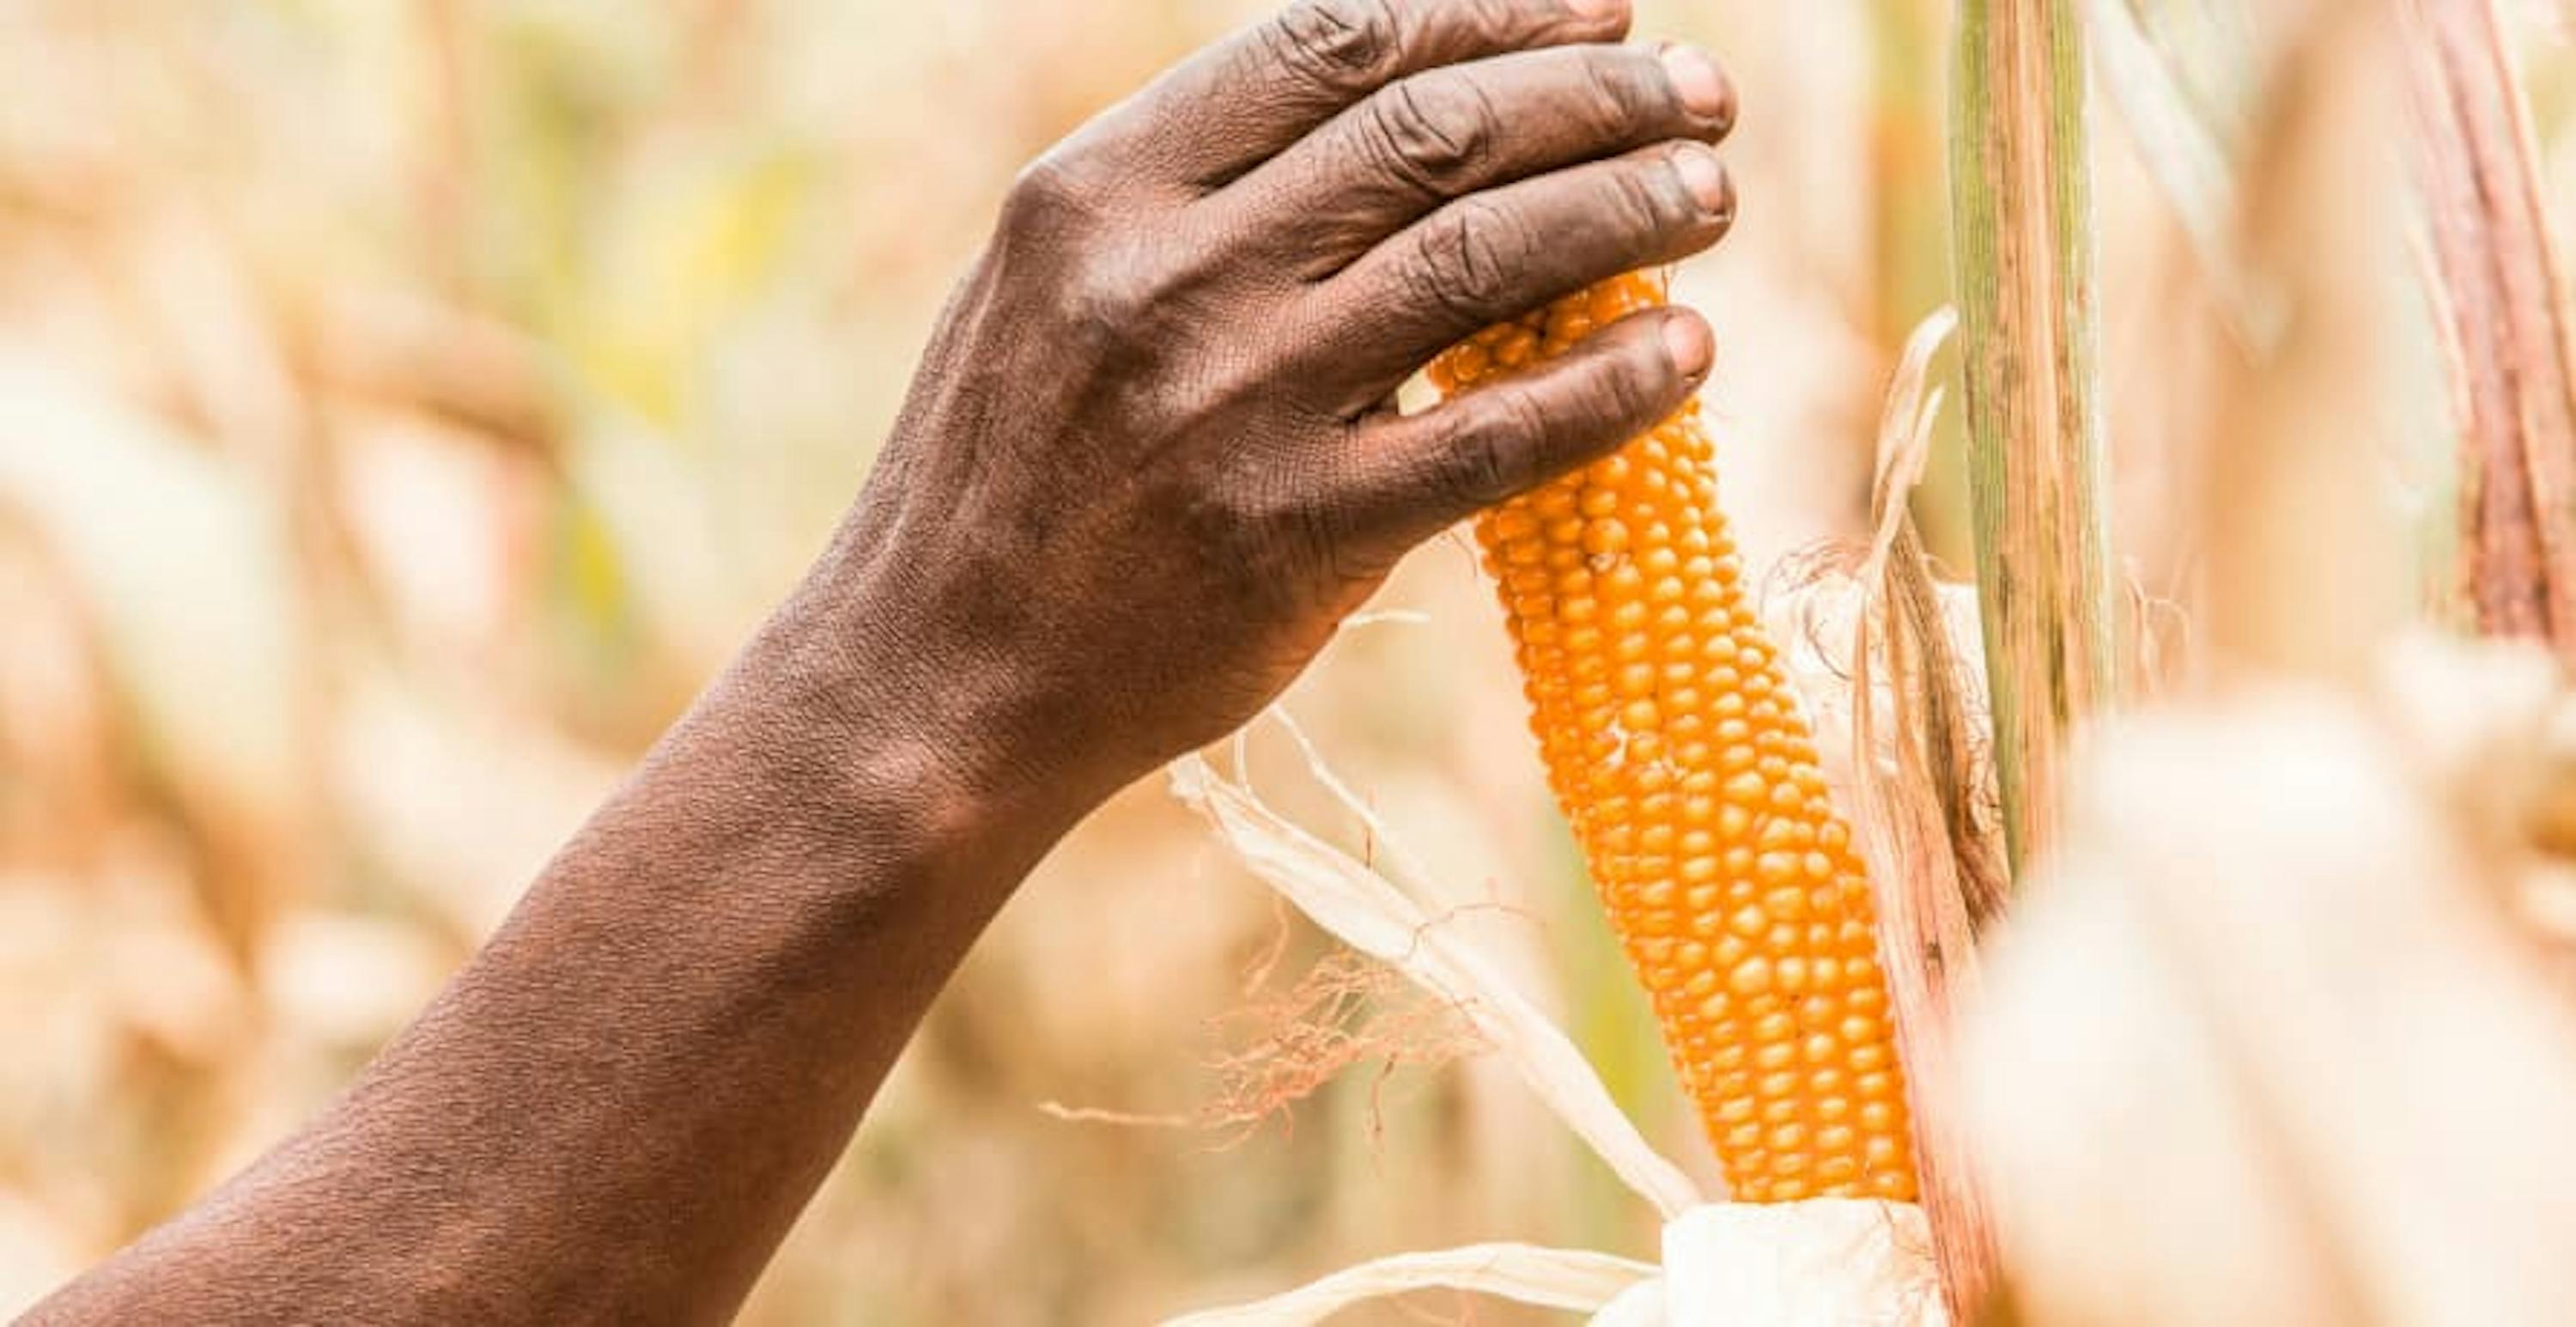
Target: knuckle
1620	393
1622	88
1206	532
1642	199
1339	44
1468	258
1329	540
1113	299
1506	21
1210	517
1478	464
1311	536
1050	198
1251	525
1432	132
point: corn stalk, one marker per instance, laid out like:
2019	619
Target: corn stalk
2024	256
2498	277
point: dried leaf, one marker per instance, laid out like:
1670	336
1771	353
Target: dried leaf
1371	915
189	565
1916	830
2146	65
2503	291
1551	1278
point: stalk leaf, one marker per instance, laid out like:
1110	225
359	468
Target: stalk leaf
2184	132
2500	293
2289	500
2024	246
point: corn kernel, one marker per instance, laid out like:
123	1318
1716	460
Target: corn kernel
1677	748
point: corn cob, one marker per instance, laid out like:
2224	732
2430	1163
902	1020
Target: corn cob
1677	751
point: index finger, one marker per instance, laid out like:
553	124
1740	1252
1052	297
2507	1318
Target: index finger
1244	100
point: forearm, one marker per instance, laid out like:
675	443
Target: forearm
616	1110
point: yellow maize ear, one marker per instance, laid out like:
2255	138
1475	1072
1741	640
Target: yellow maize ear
1679	754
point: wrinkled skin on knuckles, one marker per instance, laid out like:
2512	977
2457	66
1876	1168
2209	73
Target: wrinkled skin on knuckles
1148	463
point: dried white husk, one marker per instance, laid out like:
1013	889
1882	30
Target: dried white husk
1867	1264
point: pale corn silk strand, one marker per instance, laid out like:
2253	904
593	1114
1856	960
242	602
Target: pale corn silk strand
1676	747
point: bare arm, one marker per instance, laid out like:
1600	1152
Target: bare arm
1142	474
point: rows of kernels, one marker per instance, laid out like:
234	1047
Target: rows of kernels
1674	744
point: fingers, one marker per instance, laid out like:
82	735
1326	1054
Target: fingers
1410	478
1240	102
1501	253
1438	136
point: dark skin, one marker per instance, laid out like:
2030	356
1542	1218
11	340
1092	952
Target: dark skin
1145	470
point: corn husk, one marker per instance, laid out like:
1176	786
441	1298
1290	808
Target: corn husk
1847	1262
1887	661
1724	1264
1550	1278
1829	1260
1368	912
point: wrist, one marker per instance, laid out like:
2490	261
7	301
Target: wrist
927	743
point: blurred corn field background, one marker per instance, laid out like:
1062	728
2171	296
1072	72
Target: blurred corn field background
406	404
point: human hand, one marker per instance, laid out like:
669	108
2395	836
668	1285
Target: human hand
1149	461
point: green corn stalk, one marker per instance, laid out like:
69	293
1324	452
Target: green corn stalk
2024	254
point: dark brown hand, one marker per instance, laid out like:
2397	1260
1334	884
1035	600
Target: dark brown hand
1144	470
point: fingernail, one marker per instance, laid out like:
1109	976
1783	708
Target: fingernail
1705	177
1596	10
1695	76
1686	339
